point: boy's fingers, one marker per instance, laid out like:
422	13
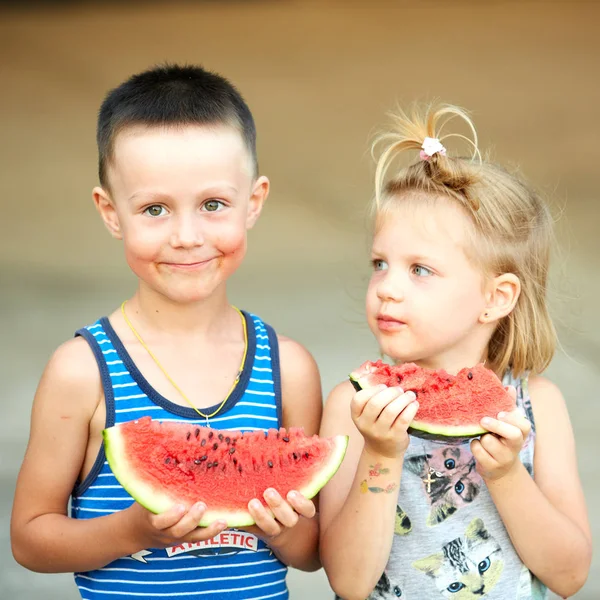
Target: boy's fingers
189	521
302	505
200	534
282	511
264	521
167	519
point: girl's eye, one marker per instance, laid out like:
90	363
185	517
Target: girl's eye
421	271
156	210
213	205
379	265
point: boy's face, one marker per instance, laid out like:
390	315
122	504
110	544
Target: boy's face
182	200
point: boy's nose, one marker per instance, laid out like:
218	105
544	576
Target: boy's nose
186	233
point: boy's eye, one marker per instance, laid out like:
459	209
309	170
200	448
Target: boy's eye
213	205
421	271
379	265
156	210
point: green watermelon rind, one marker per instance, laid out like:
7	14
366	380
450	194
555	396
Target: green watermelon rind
424	429
157	502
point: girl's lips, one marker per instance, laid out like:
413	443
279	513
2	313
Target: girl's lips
389	324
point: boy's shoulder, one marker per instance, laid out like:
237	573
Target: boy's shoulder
72	374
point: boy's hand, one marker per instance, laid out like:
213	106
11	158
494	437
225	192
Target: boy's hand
286	514
382	415
497	452
176	525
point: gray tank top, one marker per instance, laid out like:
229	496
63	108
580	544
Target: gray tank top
449	539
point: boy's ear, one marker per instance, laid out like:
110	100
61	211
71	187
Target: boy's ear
260	191
502	293
107	211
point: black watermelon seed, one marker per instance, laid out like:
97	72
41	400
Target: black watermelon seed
197	461
270	463
215	446
306	455
209	465
234	460
286	439
188	435
197	432
240	468
231	450
210	434
295	456
203	458
167	460
221	436
228	439
415	393
203	443
215	464
470	375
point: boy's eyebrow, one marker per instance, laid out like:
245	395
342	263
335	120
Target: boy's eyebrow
213	189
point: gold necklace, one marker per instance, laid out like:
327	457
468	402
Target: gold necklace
237	378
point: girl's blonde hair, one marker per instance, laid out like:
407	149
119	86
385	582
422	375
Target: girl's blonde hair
512	226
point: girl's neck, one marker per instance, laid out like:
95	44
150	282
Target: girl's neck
159	315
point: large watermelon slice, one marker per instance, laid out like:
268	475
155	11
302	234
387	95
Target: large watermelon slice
450	406
161	464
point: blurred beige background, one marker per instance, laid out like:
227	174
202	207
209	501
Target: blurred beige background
319	77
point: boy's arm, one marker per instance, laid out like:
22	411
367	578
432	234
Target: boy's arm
302	405
43	537
546	518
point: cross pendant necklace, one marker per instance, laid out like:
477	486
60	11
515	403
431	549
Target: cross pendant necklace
430	479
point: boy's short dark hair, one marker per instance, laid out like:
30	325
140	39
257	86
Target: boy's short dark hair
172	95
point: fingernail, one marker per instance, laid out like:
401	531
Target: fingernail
181	508
487	420
200	506
501	415
271	493
256	504
412	395
293	495
221	524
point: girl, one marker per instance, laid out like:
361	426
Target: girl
460	261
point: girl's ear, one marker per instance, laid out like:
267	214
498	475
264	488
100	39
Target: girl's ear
107	211
501	293
260	191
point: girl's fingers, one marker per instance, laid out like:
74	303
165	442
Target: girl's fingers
518	420
361	398
392	411
405	417
496	448
511	435
378	403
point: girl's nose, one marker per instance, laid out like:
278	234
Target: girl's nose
390	288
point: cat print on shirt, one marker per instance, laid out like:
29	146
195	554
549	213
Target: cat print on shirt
449	480
385	590
468	567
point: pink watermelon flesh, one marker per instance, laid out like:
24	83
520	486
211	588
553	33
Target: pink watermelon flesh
162	464
449	405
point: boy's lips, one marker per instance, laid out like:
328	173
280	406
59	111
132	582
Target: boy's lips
388	323
188	266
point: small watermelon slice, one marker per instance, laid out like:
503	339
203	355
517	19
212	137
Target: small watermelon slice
450	406
164	463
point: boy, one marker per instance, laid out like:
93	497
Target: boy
179	186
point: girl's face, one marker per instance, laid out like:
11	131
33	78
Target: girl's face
425	296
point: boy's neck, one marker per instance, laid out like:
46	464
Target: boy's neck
161	315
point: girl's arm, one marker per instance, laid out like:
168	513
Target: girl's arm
43	537
292	532
546	518
358	506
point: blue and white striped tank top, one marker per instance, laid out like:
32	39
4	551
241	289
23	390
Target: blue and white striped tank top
235	565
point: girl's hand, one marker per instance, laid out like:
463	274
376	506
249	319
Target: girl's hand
174	526
382	415
497	452
272	526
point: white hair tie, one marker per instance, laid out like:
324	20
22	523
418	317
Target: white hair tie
430	147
